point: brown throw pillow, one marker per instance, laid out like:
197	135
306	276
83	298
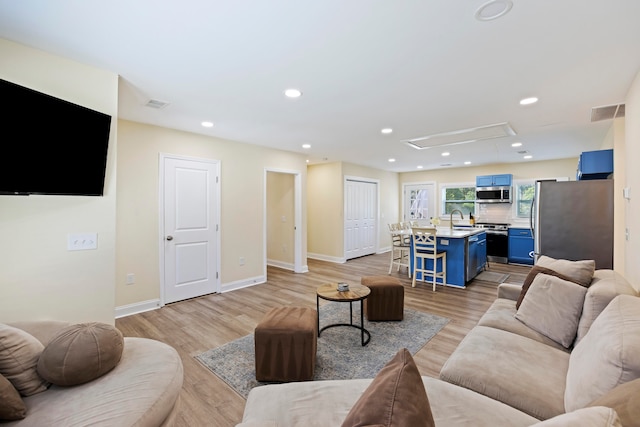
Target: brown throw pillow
625	400
11	405
81	353
395	398
535	270
19	353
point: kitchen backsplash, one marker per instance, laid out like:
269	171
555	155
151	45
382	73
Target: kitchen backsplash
499	213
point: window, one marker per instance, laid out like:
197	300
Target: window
458	196
524	196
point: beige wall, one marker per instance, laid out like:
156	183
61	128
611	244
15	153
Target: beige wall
632	181
280	219
39	278
242	168
325	210
619	208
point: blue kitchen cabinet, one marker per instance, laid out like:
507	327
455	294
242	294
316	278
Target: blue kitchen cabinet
595	164
503	180
520	246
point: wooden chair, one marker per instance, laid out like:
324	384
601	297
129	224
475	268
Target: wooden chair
400	248
425	250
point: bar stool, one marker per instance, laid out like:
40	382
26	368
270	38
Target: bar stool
400	248
425	250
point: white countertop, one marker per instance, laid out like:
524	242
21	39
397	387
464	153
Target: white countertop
457	233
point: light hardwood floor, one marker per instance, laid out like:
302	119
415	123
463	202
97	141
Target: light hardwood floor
199	324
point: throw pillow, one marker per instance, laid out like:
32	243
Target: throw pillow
19	353
607	356
81	353
396	397
588	417
553	307
625	400
535	270
11	405
579	271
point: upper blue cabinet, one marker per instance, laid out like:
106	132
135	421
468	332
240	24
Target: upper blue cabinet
595	164
503	180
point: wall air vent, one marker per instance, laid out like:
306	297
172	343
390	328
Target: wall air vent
154	103
607	112
463	136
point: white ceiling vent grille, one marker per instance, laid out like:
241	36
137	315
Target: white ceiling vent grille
158	105
462	136
607	112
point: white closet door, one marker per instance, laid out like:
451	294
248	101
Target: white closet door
361	204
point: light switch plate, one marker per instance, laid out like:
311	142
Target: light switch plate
82	241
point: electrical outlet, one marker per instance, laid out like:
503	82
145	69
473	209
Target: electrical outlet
131	279
241	260
82	241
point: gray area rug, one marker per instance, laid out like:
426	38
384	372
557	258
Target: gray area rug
340	354
491	276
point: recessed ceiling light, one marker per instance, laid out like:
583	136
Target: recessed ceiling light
292	93
419	167
386	130
207	124
307	160
392	160
517	144
528	156
467	162
528	101
445	154
306	145
493	9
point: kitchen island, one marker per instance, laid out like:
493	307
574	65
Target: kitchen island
466	254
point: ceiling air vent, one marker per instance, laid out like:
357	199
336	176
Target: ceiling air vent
607	112
462	136
158	105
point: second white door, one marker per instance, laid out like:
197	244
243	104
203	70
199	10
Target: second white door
360	219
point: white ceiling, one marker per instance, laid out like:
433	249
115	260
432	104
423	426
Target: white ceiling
420	67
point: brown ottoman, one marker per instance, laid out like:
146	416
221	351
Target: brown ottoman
386	300
285	344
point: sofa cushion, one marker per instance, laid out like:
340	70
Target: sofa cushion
523	373
81	353
608	354
326	403
625	400
395	397
598	416
579	271
19	353
605	286
535	270
552	306
11	405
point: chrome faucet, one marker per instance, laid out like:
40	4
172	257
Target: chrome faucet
451	217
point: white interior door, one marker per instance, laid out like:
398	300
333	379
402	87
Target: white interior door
360	225
419	202
190	228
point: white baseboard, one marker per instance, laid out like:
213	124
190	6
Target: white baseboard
245	283
138	307
322	257
280	264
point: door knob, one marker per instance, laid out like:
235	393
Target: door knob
169	237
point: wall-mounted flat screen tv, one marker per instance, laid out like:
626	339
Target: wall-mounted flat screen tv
49	145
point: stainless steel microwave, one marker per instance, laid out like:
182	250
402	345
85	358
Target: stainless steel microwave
493	194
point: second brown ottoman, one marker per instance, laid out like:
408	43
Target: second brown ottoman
285	344
386	300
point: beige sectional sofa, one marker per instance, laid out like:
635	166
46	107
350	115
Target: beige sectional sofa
503	373
142	389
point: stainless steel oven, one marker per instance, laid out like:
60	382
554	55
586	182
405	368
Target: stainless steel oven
497	241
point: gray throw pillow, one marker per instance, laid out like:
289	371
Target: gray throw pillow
552	307
578	271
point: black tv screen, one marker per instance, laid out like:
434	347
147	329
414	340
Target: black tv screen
49	145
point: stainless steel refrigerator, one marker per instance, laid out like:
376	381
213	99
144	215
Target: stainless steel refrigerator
574	220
